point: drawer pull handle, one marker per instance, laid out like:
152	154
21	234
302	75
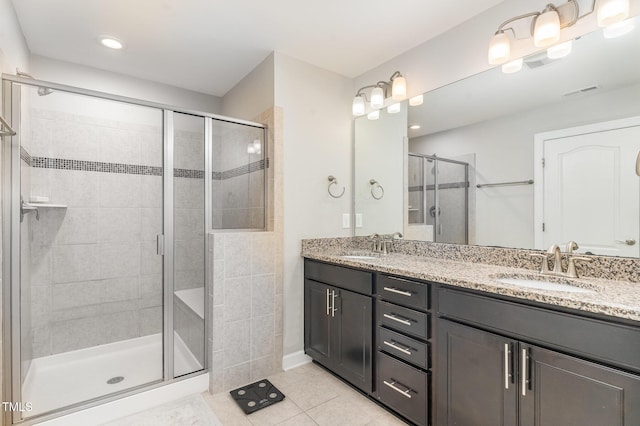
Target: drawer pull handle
393	386
398	348
395	290
328	303
400	320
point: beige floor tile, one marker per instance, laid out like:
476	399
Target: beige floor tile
350	410
299	420
274	414
386	419
226	409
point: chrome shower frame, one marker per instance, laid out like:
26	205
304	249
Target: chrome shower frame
11	351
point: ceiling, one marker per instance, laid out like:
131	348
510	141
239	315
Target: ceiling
210	45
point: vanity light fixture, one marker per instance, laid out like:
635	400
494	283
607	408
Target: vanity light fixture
379	92
546	27
513	66
111	42
374	115
394	108
416	100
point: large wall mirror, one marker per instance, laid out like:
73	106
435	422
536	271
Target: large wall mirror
523	160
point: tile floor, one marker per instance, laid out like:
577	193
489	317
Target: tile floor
313	397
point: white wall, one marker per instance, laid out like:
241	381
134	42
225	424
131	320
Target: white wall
504	152
55	71
253	95
13	47
317	143
381	142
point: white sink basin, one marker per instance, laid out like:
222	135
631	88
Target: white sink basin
541	284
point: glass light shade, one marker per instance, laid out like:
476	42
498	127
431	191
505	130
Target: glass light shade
393	108
560	50
547	29
374	115
612	11
499	49
358	106
619	29
377	98
399	88
416	100
513	66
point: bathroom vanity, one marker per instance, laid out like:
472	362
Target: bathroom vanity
443	342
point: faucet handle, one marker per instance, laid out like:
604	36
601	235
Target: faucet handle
571	267
571	246
544	269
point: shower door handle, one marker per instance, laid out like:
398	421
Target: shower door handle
160	244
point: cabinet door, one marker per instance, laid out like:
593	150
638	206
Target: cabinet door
566	391
317	321
351	334
475	377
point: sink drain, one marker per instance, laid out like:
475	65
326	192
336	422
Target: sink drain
114	380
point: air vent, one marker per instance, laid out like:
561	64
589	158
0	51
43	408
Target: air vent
581	91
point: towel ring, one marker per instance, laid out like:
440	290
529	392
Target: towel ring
334	181
374	183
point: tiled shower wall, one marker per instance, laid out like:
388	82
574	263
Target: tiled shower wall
238	178
96	277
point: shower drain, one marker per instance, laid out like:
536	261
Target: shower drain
114	380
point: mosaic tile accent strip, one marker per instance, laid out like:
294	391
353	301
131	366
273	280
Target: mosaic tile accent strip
95	166
25	156
242	170
188	173
134	169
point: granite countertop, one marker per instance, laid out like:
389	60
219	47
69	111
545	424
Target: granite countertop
619	299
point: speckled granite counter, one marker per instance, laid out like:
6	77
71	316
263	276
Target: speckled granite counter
614	298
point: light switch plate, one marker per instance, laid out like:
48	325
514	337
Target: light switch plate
358	220
346	222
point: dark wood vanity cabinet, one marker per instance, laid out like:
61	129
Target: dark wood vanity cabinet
486	378
338	312
403	357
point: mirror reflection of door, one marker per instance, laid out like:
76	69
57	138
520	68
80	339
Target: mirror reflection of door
589	178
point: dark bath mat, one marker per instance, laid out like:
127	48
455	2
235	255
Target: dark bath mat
257	395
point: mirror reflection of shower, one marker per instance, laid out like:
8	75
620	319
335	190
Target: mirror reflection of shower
438	196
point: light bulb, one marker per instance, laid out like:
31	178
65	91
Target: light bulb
377	98
416	100
560	50
393	108
619	29
499	49
399	88
374	115
612	12
513	66
358	106
547	29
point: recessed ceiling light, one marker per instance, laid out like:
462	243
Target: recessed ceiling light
414	126
111	43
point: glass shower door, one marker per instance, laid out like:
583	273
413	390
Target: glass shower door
91	279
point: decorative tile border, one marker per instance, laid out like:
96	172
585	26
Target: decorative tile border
134	169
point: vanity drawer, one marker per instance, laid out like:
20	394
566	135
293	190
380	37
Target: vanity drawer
347	278
404	292
403	319
403	388
404	347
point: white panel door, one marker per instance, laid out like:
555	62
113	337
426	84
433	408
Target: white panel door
591	191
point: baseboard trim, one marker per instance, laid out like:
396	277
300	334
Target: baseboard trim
294	360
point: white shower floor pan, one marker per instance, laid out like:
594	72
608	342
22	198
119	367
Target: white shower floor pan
69	378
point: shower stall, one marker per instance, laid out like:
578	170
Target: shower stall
107	202
439	198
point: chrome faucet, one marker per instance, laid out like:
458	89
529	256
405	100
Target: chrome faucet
376	242
554	250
